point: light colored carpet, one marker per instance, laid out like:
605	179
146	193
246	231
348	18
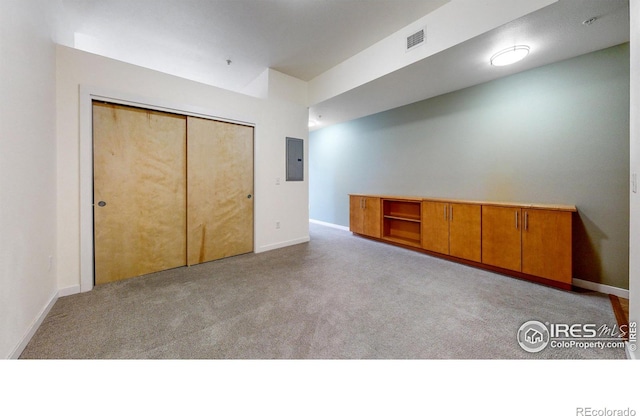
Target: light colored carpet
337	297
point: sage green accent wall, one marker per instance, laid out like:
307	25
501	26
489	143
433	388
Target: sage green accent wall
554	134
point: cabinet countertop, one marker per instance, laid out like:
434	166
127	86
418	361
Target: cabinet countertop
555	207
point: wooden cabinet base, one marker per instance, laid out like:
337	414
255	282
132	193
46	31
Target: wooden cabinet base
482	266
527	241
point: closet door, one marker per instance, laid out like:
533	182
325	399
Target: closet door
219	190
139	160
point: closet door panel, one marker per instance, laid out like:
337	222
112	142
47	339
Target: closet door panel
219	190
139	191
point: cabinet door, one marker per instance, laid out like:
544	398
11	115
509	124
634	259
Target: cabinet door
501	237
356	214
372	219
546	244
465	231
435	226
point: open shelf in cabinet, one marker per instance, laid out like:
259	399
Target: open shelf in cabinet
401	221
402	209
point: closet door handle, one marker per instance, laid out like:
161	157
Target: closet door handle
444	211
451	213
526	220
516	219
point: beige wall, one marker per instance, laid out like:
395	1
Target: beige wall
274	120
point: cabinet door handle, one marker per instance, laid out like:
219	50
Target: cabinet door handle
516	219
526	220
451	213
444	211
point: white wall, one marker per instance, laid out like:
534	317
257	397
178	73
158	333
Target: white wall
634	223
274	120
27	170
275	85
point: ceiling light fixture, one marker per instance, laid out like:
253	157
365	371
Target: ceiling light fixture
510	55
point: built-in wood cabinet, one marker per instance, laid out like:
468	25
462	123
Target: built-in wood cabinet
364	215
527	240
435	226
501	237
524	240
465	229
546	244
401	221
452	228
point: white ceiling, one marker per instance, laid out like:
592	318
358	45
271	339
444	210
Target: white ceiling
301	38
304	38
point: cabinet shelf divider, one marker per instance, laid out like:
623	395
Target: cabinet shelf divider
394	217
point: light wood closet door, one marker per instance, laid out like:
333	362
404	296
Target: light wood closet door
139	159
219	190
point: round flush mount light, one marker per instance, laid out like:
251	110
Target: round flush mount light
510	55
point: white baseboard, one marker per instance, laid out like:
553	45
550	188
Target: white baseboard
598	287
69	290
15	354
282	244
328	224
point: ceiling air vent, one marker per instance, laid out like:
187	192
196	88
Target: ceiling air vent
415	40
